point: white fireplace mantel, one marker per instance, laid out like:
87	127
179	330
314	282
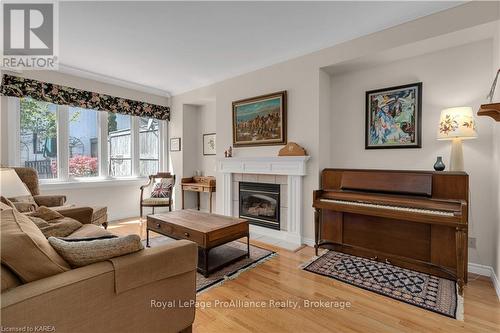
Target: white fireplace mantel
292	166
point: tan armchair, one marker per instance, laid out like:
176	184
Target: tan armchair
29	176
146	191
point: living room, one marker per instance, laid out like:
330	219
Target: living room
251	166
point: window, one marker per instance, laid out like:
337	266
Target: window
131	145
149	144
38	137
83	129
119	145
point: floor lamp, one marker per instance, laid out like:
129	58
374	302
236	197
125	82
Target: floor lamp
457	124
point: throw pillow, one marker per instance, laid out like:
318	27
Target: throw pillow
25	250
57	228
46	213
40	223
161	190
4	206
88	252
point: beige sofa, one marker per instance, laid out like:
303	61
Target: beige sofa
120	295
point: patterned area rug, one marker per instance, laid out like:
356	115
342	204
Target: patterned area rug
425	291
257	256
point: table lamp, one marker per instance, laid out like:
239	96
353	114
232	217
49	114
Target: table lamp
457	124
11	185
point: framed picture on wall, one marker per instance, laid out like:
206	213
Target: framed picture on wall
260	120
209	147
175	144
394	117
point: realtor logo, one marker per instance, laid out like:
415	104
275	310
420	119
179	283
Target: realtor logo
29	32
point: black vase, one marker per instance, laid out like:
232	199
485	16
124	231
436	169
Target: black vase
439	165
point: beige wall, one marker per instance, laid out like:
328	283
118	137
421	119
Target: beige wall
457	76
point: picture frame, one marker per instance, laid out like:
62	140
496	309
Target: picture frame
175	144
394	117
209	144
260	121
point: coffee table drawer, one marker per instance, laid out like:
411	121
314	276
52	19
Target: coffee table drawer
176	231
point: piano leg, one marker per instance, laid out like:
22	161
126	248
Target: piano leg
461	239
317	226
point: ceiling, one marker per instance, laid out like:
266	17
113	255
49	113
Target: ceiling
175	47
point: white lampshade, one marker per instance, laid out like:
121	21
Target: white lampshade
11	185
457	123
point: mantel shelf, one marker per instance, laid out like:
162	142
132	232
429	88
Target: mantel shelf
490	110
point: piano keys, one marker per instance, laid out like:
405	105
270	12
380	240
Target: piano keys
413	219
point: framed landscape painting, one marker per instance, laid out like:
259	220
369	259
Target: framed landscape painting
394	117
260	120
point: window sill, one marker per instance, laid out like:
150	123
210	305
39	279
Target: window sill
92	183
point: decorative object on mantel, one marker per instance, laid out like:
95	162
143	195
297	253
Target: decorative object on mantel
260	120
228	152
209	147
457	124
16	86
292	149
492	109
394	117
175	144
439	165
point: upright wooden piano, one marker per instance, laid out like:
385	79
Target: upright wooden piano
412	219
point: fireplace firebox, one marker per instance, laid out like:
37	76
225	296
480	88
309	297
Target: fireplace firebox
260	204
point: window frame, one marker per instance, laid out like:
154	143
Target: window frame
63	179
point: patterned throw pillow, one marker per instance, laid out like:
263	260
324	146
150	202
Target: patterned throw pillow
161	190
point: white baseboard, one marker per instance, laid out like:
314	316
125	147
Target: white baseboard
486	271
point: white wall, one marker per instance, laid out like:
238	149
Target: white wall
458	76
308	86
496	149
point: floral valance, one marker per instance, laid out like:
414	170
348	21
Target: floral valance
16	86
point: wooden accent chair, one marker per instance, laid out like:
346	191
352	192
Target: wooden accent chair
146	191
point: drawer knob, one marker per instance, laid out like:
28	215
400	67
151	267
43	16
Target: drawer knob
186	234
374	258
158	225
387	261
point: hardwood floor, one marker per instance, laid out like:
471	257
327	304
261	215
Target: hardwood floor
281	279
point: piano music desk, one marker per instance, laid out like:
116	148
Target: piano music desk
199	185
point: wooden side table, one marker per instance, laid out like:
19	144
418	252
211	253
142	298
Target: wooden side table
199	184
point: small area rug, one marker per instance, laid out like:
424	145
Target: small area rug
257	256
423	290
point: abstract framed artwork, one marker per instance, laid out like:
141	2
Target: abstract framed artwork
175	144
260	120
209	144
394	117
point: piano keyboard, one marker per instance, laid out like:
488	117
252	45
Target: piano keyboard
404	209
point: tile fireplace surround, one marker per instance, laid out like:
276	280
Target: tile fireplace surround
293	167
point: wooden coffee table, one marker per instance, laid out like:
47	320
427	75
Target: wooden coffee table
209	231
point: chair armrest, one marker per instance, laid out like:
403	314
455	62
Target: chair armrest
153	264
144	186
81	214
50	200
24	207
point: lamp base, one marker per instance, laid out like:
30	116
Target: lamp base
457	156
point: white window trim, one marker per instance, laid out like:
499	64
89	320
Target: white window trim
64	181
